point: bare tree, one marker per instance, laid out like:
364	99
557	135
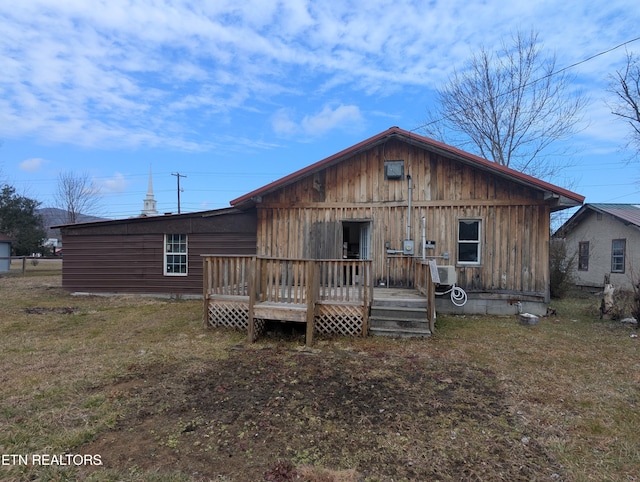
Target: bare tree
510	107
625	86
76	195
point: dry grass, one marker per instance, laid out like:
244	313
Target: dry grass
573	383
76	372
36	266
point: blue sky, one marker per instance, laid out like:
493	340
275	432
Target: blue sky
235	94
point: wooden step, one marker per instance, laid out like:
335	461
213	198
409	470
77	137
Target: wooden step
281	311
400	312
400	333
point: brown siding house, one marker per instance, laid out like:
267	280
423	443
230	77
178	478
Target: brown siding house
152	255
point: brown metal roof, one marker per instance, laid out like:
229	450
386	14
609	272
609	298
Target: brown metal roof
569	198
149	219
627	213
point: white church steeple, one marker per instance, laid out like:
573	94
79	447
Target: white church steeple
149	202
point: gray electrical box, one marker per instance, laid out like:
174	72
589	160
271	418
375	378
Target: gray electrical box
407	246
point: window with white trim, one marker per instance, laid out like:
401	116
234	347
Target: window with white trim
617	255
175	255
469	241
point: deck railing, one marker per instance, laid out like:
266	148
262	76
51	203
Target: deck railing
424	283
227	275
255	280
283	280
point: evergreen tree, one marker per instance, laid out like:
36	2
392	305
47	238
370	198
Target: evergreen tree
19	221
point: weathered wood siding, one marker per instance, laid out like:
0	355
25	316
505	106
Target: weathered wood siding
128	256
303	219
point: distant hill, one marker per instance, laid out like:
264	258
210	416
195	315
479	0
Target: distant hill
56	217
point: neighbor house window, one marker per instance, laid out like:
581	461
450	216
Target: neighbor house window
469	241
583	256
617	255
175	255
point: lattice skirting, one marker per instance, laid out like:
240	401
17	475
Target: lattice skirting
339	319
259	328
229	314
330	319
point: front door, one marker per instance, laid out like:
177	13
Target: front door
356	239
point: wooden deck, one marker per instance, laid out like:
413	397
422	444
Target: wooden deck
330	296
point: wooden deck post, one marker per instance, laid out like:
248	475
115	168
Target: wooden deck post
431	297
205	291
252	279
364	282
311	293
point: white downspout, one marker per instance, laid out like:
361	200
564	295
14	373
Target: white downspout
424	237
409	207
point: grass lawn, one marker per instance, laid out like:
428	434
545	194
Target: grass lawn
130	388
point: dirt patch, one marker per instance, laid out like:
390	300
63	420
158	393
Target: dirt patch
62	310
385	417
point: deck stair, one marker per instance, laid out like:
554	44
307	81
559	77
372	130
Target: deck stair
399	313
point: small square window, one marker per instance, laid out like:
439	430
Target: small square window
394	169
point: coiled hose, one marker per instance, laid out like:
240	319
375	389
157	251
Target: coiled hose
458	295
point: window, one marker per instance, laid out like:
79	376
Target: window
469	241
175	255
583	256
394	169
617	255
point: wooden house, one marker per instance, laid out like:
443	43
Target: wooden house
398	199
604	240
158	255
325	245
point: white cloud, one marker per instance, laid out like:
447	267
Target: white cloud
166	73
116	184
316	125
282	123
343	116
32	165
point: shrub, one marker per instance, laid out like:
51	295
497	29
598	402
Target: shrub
561	268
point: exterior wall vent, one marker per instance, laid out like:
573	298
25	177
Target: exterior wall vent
394	170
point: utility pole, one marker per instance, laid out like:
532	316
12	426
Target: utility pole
178	176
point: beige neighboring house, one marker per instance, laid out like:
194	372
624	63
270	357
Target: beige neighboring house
5	253
606	241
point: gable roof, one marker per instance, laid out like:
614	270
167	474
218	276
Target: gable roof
628	214
564	198
5	238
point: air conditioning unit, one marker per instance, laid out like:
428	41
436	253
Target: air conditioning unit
447	275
